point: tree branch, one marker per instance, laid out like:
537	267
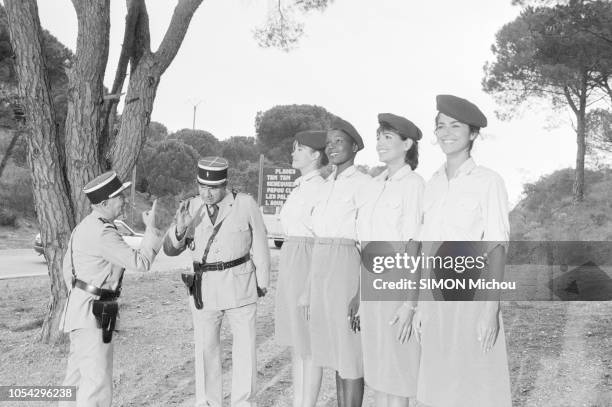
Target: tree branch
569	99
177	29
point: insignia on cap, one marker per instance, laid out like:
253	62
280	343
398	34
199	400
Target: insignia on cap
212	170
104	186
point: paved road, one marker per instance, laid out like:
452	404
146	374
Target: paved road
16	263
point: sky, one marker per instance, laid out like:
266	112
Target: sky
358	58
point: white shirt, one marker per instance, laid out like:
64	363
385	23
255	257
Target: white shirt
335	211
296	214
393	208
471	206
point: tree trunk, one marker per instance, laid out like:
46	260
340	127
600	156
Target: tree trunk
578	188
50	190
85	91
9	151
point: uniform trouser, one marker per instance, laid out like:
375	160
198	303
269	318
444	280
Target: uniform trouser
90	369
208	373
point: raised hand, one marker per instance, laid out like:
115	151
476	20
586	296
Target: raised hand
149	217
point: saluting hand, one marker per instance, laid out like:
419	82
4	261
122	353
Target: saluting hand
149	217
403	318
183	217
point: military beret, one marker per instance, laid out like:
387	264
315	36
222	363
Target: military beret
104	186
402	125
314	139
343	125
212	170
461	109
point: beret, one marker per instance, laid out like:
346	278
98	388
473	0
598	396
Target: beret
104	186
340	124
402	125
461	109
314	139
212	170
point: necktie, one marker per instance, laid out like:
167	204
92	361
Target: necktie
213	210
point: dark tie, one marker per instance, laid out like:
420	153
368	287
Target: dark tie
213	210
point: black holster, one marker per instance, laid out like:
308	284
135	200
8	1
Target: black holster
106	312
193	282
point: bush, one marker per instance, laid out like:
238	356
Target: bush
16	192
8	218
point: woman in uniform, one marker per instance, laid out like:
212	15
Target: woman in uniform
392	214
291	327
463	347
334	276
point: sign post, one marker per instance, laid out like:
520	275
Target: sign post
277	185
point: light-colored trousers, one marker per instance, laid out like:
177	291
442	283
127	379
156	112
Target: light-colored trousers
90	369
208	372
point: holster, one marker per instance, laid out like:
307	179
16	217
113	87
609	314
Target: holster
193	282
106	312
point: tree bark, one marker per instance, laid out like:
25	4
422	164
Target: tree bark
51	195
9	151
144	80
85	91
578	188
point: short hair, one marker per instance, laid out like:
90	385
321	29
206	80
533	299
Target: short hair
323	160
412	155
473	130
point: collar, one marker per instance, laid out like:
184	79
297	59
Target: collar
349	172
465	168
399	174
306	178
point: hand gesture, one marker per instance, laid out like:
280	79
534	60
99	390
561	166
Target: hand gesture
353	314
149	217
403	319
183	217
487	327
303	304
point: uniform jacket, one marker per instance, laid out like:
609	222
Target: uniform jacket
243	231
99	257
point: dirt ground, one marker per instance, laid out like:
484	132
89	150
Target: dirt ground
560	354
18	237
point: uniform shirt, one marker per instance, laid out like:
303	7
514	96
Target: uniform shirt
393	208
335	212
296	214
242	232
471	206
99	257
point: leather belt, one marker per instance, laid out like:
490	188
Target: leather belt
100	292
220	265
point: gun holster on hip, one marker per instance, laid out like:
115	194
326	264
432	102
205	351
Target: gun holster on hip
106	312
193	282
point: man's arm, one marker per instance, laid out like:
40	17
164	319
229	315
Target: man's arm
259	245
115	250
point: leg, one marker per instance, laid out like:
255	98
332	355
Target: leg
312	383
340	393
91	368
353	391
297	371
208	373
244	374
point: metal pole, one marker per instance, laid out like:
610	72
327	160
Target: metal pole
260	182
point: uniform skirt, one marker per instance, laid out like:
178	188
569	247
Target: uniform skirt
290	327
334	282
454	371
389	366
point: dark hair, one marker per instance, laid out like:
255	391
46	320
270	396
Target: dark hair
323	160
412	155
473	129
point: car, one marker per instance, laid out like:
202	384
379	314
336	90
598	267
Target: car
272	221
132	238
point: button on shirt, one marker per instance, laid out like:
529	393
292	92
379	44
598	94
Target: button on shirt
296	214
393	210
335	212
471	206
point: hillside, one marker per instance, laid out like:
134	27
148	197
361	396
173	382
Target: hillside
547	213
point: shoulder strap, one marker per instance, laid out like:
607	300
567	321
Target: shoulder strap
210	240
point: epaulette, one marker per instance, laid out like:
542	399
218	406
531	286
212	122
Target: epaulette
107	223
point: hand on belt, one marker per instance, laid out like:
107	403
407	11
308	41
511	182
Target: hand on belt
220	265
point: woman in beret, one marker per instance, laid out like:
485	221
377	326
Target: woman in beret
291	327
334	276
392	214
463	347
